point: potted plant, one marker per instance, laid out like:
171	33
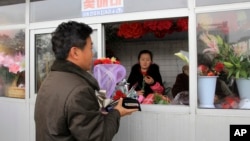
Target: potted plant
207	79
236	62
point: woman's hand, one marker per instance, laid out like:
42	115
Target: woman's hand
141	92
149	80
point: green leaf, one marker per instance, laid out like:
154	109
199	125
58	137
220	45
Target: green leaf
237	75
219	40
228	64
243	73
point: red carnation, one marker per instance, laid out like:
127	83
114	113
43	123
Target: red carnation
118	95
106	61
96	62
203	68
219	67
182	24
131	30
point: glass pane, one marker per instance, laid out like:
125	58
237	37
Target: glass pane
224	51
95	42
12	63
54	10
164	38
215	2
10	16
44	56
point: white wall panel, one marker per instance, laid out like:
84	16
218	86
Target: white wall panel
216	128
14	120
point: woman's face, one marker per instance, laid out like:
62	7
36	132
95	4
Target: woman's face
145	61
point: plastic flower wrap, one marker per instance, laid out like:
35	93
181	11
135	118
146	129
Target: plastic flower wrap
108	73
122	91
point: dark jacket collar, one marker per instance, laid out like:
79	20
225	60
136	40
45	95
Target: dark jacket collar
67	66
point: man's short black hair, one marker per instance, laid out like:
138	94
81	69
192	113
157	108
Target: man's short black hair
67	35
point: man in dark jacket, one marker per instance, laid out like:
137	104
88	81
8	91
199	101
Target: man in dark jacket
66	106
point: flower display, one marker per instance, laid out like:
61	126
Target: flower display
204	70
112	60
135	30
160	99
159	28
236	63
12	65
131	30
182	24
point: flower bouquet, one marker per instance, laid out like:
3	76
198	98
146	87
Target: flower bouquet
109	74
12	74
129	96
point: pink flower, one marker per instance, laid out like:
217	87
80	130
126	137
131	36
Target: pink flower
14	68
14	63
211	42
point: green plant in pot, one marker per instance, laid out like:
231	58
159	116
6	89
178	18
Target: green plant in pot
236	60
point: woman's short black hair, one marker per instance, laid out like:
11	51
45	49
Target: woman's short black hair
145	52
67	35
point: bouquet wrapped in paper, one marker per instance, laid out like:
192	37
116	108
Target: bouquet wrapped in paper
129	96
110	77
108	73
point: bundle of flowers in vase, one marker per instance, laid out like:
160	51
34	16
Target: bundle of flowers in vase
236	63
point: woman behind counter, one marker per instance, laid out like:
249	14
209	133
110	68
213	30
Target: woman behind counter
145	76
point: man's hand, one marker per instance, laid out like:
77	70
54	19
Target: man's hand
123	111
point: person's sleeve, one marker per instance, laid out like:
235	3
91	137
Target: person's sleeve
157	87
132	79
85	120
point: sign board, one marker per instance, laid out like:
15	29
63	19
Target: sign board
101	7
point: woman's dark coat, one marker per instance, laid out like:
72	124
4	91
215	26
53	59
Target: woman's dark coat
136	78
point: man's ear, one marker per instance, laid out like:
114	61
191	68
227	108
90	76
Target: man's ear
73	52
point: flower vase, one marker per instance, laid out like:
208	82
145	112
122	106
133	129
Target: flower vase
243	86
206	91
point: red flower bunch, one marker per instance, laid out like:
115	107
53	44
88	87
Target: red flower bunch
131	30
182	24
159	28
203	70
230	102
119	94
106	61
